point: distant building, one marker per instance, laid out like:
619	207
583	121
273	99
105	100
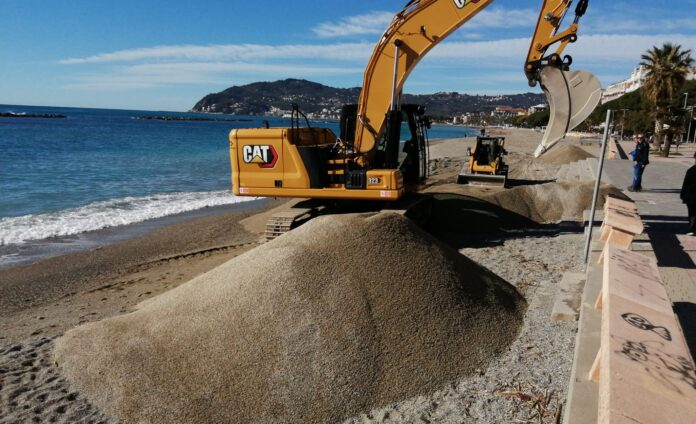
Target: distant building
471	117
537	108
633	83
508	112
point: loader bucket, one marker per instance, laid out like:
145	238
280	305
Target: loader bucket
572	95
482	179
472	178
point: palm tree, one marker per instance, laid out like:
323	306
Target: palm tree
666	72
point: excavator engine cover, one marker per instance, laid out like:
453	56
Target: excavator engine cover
572	96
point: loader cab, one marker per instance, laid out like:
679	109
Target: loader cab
488	149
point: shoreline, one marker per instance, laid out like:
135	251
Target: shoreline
29	252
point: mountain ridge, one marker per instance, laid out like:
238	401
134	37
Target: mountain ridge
276	97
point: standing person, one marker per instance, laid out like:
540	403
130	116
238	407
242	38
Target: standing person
688	196
640	161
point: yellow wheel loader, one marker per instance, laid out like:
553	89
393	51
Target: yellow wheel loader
486	164
381	153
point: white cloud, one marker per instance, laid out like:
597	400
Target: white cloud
167	74
365	24
218	67
498	17
605	54
374	23
588	48
627	48
633	21
220	52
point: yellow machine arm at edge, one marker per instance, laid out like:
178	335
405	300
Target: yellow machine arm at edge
420	26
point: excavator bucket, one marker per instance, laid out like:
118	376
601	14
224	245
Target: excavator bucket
572	95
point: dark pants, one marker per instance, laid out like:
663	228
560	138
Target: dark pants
638	169
692	217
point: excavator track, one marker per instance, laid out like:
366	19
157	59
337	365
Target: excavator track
416	207
284	221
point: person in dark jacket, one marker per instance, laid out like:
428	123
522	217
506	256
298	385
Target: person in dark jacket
688	196
640	161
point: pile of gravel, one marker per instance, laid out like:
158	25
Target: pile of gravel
341	315
552	202
563	155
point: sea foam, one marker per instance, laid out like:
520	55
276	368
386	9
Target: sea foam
108	213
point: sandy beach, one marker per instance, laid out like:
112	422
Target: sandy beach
41	301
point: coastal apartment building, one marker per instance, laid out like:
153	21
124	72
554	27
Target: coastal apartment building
633	83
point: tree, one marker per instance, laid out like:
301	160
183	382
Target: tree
666	71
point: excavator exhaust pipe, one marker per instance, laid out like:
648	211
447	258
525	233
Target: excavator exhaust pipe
572	96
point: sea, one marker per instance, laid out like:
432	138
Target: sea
103	175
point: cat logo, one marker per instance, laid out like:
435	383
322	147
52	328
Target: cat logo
264	156
461	3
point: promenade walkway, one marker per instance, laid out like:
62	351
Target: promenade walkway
665	219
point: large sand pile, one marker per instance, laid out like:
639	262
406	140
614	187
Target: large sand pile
551	202
564	154
340	315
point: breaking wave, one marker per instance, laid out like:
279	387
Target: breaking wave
108	213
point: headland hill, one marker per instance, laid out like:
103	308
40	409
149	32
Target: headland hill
325	102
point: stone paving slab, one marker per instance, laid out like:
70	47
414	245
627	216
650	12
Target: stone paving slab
567	303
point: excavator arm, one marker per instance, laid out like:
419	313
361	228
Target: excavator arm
572	95
419	27
422	24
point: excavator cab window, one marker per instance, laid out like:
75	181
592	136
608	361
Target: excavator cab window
488	149
483	153
407	139
413	160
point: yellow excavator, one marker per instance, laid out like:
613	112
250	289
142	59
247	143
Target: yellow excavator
381	152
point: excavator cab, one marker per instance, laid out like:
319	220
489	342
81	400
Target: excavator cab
404	144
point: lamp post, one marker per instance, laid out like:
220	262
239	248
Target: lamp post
595	194
623	116
686	100
691	119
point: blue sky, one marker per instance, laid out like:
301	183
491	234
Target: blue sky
165	55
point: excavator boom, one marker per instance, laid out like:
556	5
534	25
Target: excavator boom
419	27
422	24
